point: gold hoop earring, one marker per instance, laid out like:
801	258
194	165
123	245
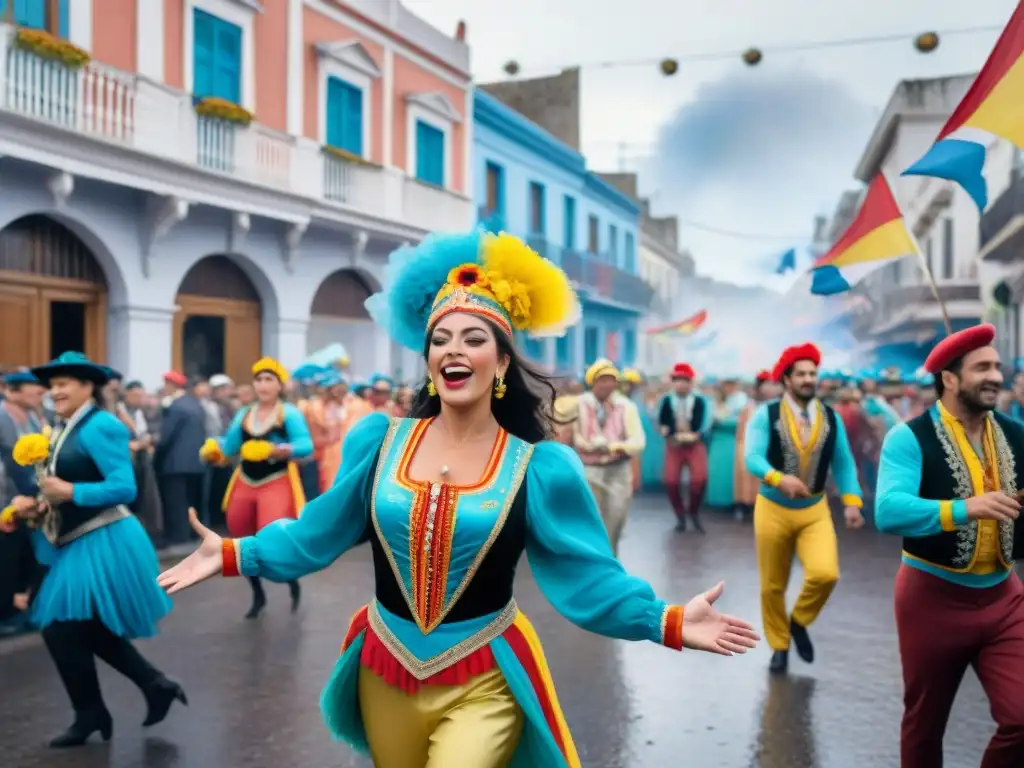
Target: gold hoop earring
431	389
499	388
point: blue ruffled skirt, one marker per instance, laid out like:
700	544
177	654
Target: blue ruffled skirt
109	574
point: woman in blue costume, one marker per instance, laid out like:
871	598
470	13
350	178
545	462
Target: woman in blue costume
442	669
270	437
100	592
722	449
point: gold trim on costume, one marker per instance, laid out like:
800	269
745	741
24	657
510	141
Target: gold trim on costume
802	459
946	516
422	669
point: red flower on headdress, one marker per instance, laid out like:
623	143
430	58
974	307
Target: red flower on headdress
468	275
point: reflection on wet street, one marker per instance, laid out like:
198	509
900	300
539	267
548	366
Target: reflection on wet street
254	687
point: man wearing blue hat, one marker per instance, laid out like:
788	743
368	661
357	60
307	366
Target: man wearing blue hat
18	416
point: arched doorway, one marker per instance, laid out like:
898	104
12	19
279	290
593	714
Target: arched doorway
53	294
338	316
217	328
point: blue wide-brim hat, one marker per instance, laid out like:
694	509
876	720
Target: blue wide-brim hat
74	365
20	377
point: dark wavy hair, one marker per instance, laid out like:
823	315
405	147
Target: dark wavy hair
528	407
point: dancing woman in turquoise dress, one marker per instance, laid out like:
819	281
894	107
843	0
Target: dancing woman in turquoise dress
722	450
99	593
441	668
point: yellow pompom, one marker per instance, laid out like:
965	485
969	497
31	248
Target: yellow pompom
8	516
536	293
256	450
211	452
31	449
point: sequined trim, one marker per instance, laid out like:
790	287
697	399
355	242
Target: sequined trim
1007	465
966	535
797	459
421	670
250	421
103	519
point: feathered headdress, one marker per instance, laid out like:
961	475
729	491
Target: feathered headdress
497	277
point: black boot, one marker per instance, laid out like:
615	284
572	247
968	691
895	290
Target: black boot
697	524
681	525
160	695
779	664
802	641
259	598
296	592
85	725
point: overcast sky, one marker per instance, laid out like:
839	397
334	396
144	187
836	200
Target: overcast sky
755	150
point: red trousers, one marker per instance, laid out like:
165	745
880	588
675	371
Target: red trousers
250	507
944	628
678	457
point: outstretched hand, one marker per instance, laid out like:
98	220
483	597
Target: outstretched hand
200	565
705	629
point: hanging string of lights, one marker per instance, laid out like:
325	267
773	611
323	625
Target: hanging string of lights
924	42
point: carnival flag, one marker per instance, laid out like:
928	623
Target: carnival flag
876	237
993	107
682	327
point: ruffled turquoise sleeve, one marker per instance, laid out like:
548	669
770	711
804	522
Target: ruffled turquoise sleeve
329	525
572	561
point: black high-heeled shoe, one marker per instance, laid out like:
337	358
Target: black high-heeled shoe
85	725
259	598
296	593
160	695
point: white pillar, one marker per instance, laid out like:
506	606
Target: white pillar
295	68
140	342
80	23
149	39
286	341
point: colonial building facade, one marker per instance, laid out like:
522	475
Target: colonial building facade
666	270
529	183
190	184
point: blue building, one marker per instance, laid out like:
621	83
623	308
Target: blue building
532	185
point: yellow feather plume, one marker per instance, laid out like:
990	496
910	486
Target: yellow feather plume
535	292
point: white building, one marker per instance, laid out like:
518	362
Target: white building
902	320
665	269
154	236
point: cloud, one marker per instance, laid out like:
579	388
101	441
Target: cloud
758	151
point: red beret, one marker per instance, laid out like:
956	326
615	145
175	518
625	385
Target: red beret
958	345
173	377
763	376
683	371
791	355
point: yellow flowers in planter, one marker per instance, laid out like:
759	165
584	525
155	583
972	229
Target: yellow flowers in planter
31	450
348	157
222	109
256	450
47	46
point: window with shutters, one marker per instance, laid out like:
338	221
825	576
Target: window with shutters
569	224
538	221
216	57
613	244
629	263
593	235
495	190
50	15
429	154
345	116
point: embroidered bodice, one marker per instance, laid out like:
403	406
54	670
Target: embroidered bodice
435	537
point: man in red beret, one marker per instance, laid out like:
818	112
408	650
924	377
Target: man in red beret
948	484
791	444
684	418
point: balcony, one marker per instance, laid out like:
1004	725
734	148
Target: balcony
1002	225
124	127
606	282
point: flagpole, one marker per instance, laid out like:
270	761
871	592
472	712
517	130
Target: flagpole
926	269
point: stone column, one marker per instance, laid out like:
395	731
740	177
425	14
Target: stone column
140	342
285	341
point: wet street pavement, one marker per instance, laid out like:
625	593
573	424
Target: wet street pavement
254	686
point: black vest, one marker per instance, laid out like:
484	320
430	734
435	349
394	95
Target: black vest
488	591
258	471
955	549
784	458
667	416
75	465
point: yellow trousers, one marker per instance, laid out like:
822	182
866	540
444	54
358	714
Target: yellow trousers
780	533
476	725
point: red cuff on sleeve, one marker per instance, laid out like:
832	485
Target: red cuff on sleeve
229	558
672	627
